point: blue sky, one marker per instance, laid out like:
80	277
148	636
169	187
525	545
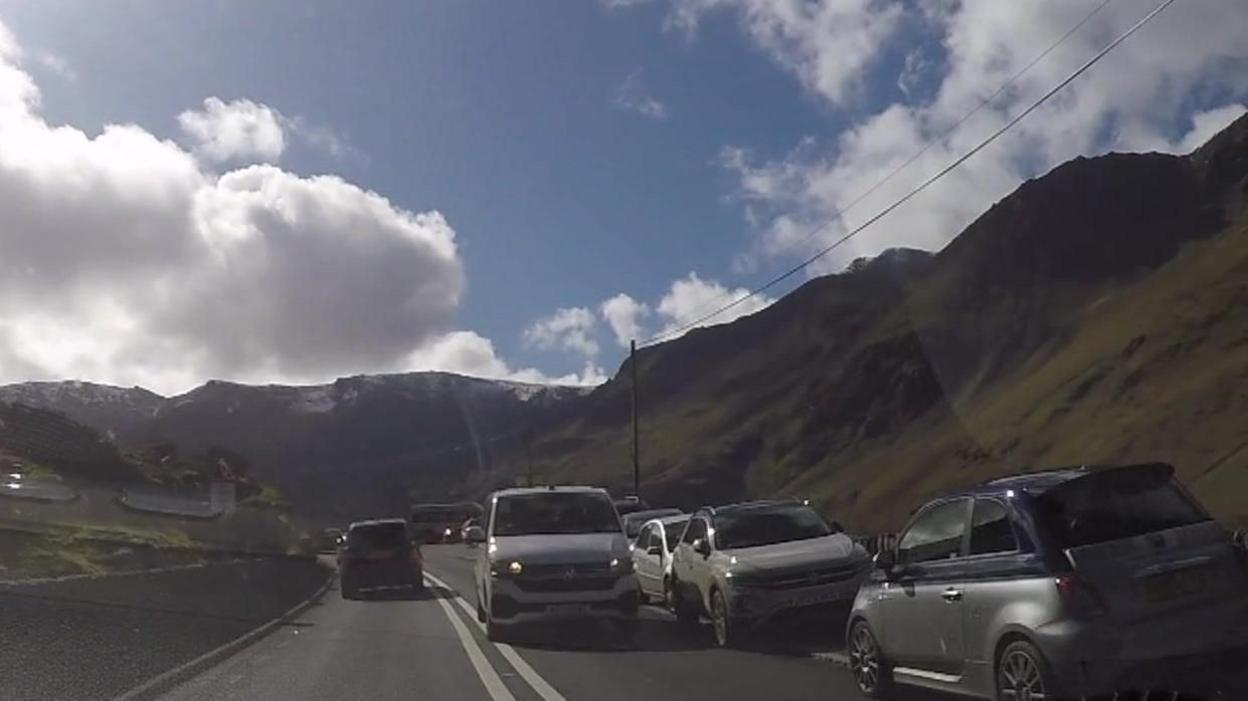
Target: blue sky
510	120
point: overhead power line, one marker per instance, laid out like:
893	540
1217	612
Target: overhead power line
676	331
984	102
840	212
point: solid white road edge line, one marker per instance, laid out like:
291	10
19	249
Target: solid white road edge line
526	672
493	683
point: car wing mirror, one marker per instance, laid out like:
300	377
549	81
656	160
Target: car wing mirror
702	547
474	534
886	554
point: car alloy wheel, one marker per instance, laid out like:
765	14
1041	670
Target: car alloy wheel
866	663
724	634
1021	674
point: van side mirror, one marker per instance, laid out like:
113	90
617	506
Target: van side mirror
474	534
702	547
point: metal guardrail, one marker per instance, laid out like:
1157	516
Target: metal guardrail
168	504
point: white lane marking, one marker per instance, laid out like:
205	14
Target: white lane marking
493	684
530	675
831	656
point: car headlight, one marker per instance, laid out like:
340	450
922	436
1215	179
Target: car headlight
511	569
622	565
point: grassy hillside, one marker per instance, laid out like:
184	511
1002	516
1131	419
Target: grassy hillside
1098	314
47	443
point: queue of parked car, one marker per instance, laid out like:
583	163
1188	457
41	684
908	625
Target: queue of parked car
1068	583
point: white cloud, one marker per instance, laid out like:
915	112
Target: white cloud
913	72
828	45
469	353
567	329
125	261
1206	124
624	314
58	65
631	95
1139	97
237	131
691	298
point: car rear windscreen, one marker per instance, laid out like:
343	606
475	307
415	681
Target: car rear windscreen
379	536
555	513
1117	504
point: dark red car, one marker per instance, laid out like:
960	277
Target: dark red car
377	554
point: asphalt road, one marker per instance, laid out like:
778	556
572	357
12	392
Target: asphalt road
94	638
430	646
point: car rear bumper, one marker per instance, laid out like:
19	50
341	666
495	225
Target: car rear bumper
374	575
1190	652
511	604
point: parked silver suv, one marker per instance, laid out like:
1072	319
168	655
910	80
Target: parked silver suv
1061	584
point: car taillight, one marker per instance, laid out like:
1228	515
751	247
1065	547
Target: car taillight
1079	597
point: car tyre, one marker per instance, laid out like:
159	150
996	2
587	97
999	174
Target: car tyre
867	664
495	632
1023	673
684	611
727	630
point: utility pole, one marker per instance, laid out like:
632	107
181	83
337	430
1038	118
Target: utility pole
632	362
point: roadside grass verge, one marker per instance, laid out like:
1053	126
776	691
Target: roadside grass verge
93	550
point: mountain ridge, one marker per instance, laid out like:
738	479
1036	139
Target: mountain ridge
1098	313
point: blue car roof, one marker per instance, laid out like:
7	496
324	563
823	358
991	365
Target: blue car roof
1042	481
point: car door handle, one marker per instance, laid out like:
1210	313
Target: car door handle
951	595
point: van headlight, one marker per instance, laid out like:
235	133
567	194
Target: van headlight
621	565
